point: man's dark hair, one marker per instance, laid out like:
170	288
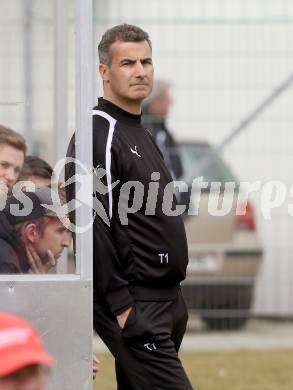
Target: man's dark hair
35	166
124	33
12	138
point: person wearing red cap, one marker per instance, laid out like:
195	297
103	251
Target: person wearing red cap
24	362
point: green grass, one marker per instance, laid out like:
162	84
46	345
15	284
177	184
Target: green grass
265	370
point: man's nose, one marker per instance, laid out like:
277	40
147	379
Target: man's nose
10	175
67	239
140	70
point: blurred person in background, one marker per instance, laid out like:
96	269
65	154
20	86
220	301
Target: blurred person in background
12	154
36	170
24	362
33	242
155	110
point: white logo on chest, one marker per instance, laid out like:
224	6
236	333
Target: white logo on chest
135	151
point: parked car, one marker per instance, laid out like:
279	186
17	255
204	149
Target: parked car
224	251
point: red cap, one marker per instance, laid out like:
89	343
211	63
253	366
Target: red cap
20	345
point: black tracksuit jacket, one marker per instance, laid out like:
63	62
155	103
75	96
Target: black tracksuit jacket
150	251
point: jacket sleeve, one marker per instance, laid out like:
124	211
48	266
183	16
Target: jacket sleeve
8	259
8	268
109	277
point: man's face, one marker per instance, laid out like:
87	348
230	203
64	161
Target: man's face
11	161
53	236
34	377
162	103
129	77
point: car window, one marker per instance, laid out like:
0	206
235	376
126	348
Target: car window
199	160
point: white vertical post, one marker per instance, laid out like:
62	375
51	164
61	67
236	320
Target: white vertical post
83	149
61	93
60	79
83	141
28	72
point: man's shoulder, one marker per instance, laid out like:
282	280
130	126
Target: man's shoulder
6	248
103	123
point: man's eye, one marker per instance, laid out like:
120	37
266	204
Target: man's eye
4	164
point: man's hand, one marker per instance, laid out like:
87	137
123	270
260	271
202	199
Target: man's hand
96	363
121	318
36	264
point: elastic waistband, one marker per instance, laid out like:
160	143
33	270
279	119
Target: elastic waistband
142	293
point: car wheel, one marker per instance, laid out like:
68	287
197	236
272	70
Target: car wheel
225	322
230	308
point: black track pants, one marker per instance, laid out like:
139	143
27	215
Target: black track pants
146	349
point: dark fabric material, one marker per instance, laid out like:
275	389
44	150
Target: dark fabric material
165	141
146	350
146	250
13	258
142	293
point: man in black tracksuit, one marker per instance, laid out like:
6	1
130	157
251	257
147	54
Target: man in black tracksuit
140	250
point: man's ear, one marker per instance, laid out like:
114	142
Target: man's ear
104	72
30	233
